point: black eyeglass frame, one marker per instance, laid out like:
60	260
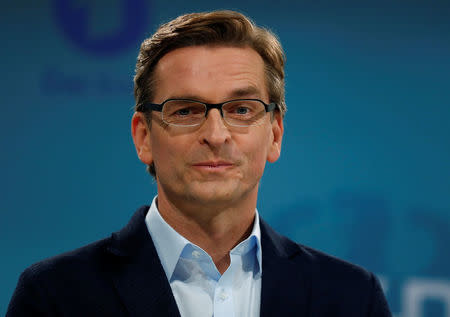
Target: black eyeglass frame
159	106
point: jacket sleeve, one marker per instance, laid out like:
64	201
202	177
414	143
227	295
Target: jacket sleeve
378	304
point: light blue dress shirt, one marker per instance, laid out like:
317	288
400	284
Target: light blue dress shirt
198	287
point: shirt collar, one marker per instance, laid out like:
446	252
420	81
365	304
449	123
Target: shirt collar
254	239
169	244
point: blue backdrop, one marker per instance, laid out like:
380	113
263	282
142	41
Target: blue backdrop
365	158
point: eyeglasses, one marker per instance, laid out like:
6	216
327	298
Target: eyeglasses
189	113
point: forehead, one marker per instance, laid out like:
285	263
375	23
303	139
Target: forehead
210	72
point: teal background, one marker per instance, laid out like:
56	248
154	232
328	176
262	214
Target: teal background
364	173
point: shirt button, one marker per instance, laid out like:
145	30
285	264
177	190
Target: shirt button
223	296
196	254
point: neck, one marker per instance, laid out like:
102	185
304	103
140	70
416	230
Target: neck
216	230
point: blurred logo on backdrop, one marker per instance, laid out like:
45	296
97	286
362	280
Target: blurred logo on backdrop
102	27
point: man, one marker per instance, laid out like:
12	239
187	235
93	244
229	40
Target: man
209	92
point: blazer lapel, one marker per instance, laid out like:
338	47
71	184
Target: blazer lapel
286	283
137	272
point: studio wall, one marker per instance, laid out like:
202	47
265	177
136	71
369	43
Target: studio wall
364	172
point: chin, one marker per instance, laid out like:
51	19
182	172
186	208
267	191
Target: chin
218	192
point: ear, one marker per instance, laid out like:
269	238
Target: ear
277	132
140	132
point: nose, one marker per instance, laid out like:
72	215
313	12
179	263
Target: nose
213	131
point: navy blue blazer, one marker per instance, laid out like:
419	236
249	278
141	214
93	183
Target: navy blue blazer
122	276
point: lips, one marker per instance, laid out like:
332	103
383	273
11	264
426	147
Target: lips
213	164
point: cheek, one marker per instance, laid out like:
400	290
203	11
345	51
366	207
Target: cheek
162	153
171	156
256	154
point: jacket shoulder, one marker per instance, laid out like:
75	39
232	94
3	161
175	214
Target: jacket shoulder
334	287
54	285
86	258
318	261
331	265
96	257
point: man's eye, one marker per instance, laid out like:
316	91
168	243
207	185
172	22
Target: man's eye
183	112
242	110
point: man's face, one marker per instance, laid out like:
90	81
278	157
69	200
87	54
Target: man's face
211	164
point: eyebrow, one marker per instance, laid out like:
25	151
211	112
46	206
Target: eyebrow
250	91
245	92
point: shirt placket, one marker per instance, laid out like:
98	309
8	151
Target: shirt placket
223	294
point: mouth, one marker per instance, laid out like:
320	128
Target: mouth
213	165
